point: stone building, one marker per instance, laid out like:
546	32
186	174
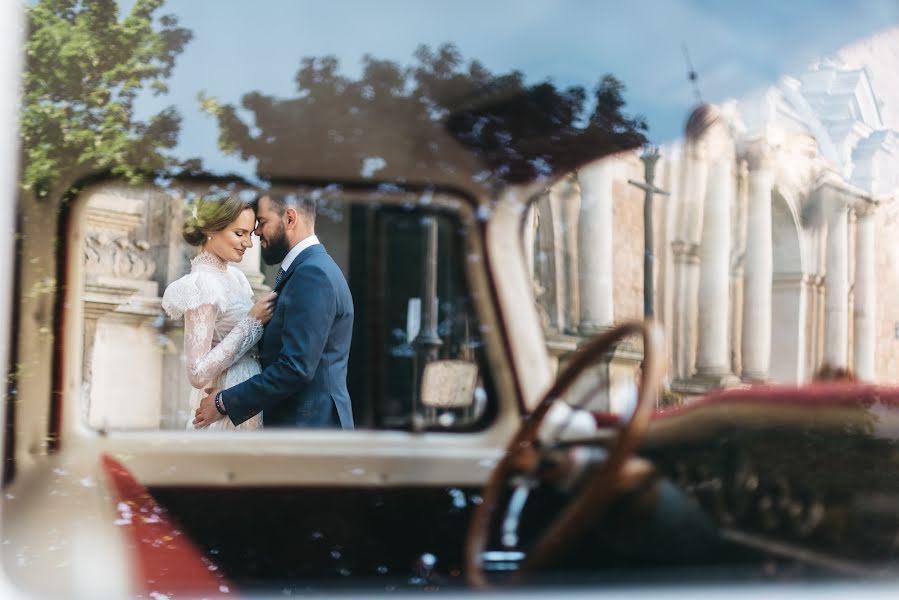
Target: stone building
774	252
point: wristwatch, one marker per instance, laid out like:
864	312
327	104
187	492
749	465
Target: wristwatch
219	405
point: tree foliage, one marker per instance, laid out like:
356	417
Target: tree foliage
84	70
440	118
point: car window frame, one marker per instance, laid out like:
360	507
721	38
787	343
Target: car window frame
365	457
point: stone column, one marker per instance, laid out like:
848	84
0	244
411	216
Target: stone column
836	295
865	296
758	269
251	265
737	261
98	301
686	267
595	242
712	357
528	238
558	196
815	355
545	265
815	291
668	230
685	249
122	310
571	208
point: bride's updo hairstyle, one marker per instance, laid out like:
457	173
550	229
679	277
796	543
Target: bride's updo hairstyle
209	215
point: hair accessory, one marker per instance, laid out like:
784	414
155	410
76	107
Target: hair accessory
193	213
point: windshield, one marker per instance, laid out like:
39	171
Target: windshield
396	222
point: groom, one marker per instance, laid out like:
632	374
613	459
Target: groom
306	345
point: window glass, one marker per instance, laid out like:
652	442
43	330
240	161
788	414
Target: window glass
765	124
729	170
416	355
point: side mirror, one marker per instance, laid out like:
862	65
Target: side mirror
450	387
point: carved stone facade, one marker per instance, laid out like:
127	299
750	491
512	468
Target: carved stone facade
121	303
774	254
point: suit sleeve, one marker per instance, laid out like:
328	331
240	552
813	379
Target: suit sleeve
310	307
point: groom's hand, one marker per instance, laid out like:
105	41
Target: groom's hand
206	413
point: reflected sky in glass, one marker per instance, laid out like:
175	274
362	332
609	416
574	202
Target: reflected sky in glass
241	46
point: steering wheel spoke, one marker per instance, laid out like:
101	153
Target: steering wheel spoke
594	476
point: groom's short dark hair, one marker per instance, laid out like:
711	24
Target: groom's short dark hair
303	203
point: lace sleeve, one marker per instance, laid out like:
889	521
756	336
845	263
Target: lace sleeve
205	363
193	291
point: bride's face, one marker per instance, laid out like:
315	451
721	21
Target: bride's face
230	243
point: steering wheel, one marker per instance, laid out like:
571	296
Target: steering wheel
523	454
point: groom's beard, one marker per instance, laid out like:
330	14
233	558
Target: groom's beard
276	248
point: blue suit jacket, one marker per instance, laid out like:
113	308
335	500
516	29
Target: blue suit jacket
304	351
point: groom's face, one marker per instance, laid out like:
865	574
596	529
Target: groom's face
270	229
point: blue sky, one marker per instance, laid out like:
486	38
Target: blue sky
241	45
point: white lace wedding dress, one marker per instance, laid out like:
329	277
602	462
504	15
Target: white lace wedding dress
219	336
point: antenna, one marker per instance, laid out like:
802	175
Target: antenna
692	76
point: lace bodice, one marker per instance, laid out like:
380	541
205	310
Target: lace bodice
214	299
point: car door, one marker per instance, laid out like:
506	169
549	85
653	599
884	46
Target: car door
385	504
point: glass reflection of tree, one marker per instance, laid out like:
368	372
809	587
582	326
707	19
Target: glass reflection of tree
440	119
84	70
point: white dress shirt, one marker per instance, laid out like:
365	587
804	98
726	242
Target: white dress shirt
295	251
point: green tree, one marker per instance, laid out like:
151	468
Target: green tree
84	70
441	118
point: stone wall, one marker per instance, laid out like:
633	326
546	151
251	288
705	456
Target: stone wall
887	270
628	242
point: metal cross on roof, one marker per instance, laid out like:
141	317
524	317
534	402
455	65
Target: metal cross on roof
649	157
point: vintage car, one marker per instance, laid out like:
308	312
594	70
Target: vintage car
483	457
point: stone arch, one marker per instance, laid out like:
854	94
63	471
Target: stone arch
788	293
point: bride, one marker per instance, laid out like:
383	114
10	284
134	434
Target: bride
221	323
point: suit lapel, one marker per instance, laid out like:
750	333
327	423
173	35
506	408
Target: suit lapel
305	254
293	267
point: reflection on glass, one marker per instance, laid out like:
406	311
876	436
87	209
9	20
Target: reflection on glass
772	255
409	367
438	120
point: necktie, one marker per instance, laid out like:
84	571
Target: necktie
279	277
